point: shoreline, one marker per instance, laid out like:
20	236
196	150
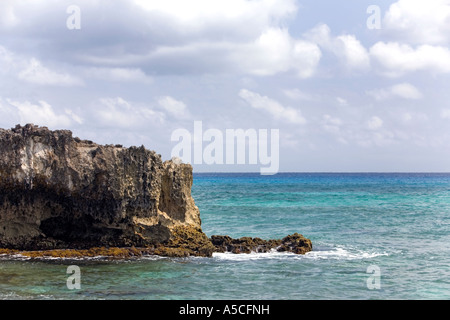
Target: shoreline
294	243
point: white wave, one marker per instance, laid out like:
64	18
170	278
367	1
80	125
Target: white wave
15	296
337	253
152	257
16	256
252	256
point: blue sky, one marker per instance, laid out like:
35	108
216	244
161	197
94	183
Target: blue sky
343	97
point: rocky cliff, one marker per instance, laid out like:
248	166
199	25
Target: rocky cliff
59	191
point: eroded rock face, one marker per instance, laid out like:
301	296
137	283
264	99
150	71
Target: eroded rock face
57	191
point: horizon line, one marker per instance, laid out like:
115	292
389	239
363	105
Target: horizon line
257	172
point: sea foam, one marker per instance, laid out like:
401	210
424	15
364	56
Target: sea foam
337	253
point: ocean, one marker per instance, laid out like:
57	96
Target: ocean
375	236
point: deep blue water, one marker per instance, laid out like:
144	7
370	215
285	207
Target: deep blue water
395	224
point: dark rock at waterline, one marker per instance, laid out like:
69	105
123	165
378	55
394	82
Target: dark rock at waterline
295	243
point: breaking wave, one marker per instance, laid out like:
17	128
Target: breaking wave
336	253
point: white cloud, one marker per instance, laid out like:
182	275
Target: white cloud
32	70
413	118
119	74
276	51
349	50
273	107
74	116
352	52
332	124
173	36
406	91
341	101
196	16
401	90
173	106
374	123
117	112
398	59
43	114
36	73
272	52
8	114
7	60
202	36
418	21
8	17
296	94
445	113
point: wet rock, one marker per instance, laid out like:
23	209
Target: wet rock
295	243
186	241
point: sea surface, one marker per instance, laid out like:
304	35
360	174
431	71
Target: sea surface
374	235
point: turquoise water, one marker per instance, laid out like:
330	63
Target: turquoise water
397	224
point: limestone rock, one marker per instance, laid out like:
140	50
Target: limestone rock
57	191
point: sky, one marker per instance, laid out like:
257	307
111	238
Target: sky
349	86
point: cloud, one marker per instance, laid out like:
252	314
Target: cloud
374	123
401	90
36	73
331	124
275	51
273	107
406	91
398	59
8	17
174	107
172	37
271	52
349	50
352	52
296	94
413	118
118	74
445	114
165	37
205	17
117	112
419	22
42	114
32	70
7	61
341	101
